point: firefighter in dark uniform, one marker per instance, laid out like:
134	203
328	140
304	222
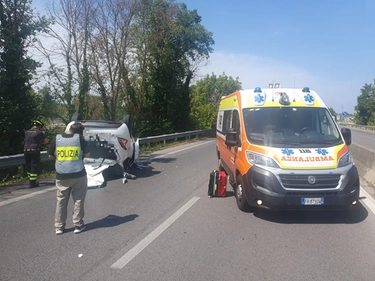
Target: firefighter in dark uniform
33	139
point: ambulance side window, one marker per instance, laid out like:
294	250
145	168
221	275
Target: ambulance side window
236	121
227	120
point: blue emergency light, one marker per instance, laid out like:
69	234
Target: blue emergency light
257	90
306	90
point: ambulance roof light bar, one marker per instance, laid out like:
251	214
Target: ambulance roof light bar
274	85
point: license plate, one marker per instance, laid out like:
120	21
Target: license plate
312	201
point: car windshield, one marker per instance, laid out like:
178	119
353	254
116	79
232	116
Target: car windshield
291	127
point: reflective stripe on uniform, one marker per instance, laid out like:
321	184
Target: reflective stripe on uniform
33	177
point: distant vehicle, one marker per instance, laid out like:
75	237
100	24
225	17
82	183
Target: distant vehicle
282	149
110	143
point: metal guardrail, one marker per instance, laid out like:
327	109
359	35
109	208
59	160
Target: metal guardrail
19	160
370	128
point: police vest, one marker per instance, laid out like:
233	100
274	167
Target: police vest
68	155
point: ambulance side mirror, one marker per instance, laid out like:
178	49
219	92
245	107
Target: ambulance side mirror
347	134
231	138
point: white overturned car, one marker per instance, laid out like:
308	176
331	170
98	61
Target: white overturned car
110	144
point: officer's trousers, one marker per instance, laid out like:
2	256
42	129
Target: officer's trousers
78	188
32	160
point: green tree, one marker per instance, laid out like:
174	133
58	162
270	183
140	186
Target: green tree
18	29
206	95
48	105
111	59
365	108
332	111
134	57
68	76
170	43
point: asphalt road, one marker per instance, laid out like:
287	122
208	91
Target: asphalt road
364	138
162	226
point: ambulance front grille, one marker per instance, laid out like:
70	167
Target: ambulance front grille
301	181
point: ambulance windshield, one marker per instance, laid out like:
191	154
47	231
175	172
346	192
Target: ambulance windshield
291	127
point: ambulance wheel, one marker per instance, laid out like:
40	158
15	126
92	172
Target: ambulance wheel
241	200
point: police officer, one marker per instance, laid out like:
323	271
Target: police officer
71	179
33	139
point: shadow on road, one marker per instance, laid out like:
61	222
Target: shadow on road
108	221
113	173
164	160
355	215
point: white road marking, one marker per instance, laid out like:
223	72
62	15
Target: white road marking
9	201
133	252
369	201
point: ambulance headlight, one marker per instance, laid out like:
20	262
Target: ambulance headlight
258	159
346	159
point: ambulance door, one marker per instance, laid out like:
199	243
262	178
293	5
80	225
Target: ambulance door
236	126
231	151
224	124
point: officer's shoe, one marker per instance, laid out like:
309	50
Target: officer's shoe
59	231
79	229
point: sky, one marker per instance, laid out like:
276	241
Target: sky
327	45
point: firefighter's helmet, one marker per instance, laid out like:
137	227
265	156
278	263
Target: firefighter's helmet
38	123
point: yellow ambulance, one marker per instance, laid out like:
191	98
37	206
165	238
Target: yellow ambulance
282	149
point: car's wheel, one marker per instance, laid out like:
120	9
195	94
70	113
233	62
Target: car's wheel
241	200
114	172
77	117
128	121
